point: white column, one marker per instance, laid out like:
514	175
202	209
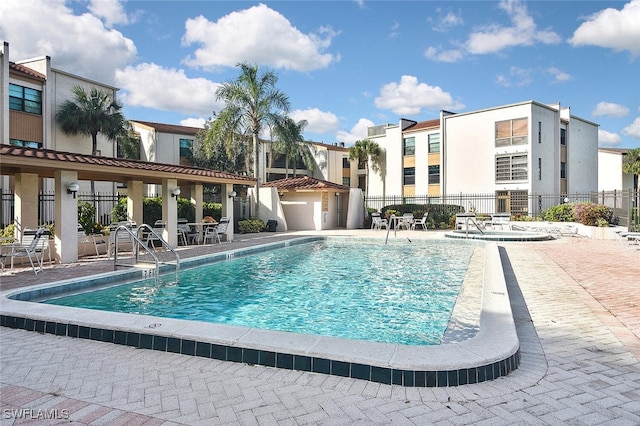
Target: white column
170	212
196	200
227	207
135	201
26	203
66	238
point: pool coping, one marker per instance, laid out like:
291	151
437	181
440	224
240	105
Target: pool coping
493	352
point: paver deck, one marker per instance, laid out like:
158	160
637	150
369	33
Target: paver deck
576	303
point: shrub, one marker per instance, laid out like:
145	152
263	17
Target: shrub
86	216
592	214
559	213
251	226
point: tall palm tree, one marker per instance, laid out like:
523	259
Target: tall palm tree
252	102
631	165
290	143
369	153
91	112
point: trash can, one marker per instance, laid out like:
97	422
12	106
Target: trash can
272	225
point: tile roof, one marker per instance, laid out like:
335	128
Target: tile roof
26	71
15	157
170	128
305	183
424	125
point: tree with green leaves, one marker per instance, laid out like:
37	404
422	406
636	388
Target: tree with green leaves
129	143
252	103
369	153
91	112
290	143
631	165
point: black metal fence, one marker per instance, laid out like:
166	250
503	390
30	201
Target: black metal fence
521	203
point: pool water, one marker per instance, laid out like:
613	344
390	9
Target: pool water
398	293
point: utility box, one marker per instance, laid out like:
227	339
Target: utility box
272	225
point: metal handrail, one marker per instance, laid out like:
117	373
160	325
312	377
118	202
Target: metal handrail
163	242
473	220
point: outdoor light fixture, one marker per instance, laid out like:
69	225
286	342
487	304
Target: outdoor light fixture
73	188
232	194
175	192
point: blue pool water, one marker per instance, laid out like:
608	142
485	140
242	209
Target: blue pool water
400	293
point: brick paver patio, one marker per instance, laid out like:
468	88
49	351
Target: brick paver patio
577	307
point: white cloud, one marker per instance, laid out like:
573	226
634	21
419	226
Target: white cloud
111	11
448	21
357	132
440	55
519	77
608	139
79	44
320	122
256	35
193	122
522	32
559	76
612	28
151	86
610	109
633	129
409	97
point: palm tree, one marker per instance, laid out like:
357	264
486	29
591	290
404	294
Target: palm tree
369	153
631	165
91	112
252	102
292	145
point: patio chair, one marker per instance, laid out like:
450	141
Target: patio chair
405	221
124	239
378	222
501	220
90	239
33	246
214	233
185	233
420	222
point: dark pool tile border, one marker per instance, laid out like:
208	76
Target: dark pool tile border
408	378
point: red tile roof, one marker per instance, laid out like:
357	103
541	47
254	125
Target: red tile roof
305	183
424	125
26	71
16	157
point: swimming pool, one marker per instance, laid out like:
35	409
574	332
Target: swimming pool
491	352
402	293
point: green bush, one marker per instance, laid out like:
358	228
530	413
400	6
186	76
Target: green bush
441	216
152	210
251	226
559	213
87	216
592	214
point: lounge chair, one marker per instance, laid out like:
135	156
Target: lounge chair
378	222
420	222
463	219
33	246
95	240
501	220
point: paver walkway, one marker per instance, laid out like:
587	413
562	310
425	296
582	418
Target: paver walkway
576	307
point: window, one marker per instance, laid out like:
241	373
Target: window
563	136
346	181
346	164
434	142
539	168
511	132
539	131
27	144
409	176
434	174
409	146
512	167
25	99
563	170
186	151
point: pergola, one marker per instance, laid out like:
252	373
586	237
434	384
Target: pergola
28	165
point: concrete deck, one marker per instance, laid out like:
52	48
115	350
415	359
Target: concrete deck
576	304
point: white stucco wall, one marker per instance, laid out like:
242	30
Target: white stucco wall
610	175
388	181
270	207
582	156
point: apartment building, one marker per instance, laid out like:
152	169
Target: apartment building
510	151
30	93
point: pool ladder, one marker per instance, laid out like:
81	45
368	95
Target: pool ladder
473	221
138	245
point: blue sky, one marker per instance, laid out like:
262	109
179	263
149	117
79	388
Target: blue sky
346	65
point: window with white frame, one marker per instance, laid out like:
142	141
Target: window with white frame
409	146
512	167
434	142
512	132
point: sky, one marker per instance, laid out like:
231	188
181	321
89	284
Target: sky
346	65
